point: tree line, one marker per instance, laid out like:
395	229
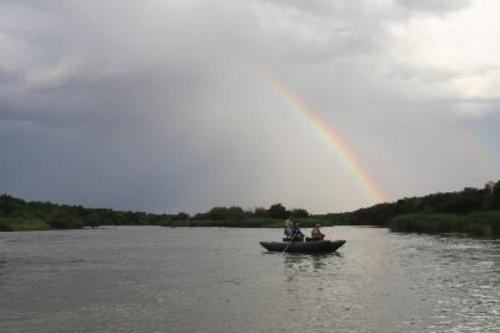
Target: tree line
15	212
236	213
18	214
462	202
472	211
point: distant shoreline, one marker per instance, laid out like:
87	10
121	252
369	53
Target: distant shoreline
472	212
475	225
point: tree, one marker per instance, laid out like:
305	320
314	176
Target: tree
62	220
489	186
261	212
496	195
92	220
278	211
235	213
299	213
218	214
181	216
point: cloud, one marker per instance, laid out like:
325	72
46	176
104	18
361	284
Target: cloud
434	6
162	106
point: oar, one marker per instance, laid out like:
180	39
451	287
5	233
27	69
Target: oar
287	245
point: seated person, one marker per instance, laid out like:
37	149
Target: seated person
297	235
316	233
288	228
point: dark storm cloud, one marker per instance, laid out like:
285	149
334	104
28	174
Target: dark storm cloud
162	105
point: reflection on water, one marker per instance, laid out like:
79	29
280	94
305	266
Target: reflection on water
2	266
147	279
306	261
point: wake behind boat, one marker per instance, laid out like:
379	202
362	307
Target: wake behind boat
319	246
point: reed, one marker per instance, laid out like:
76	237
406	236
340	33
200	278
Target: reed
479	224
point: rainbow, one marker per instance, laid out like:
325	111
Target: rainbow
368	186
479	154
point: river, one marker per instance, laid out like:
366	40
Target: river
154	279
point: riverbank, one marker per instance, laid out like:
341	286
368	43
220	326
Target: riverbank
477	224
10	224
472	212
249	223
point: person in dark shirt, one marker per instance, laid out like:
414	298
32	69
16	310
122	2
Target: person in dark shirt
297	235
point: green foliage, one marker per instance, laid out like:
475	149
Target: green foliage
218	214
17	214
493	200
235	213
430	223
251	222
483	224
5	226
261	212
201	216
181	217
299	213
278	211
63	220
461	203
472	211
21	224
226	214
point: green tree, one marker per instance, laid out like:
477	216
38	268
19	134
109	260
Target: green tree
235	213
495	193
62	220
92	220
278	211
299	213
261	212
218	214
181	216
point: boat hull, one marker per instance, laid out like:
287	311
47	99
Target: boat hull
323	246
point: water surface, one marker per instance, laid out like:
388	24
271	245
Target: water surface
154	279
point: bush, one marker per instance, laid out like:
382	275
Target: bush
483	224
261	212
20	224
299	213
427	223
278	211
181	217
235	213
63	220
5	227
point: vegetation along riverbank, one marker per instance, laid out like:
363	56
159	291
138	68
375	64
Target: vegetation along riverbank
472	211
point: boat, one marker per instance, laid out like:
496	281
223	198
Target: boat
320	246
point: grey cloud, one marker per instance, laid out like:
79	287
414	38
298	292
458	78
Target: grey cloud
440	7
159	107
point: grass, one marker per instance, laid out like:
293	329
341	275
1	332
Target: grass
248	223
20	224
479	224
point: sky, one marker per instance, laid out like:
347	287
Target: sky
168	106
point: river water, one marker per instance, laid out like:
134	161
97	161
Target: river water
154	279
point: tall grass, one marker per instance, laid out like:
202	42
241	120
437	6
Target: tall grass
20	224
481	224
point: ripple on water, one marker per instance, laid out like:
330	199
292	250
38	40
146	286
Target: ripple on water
220	280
